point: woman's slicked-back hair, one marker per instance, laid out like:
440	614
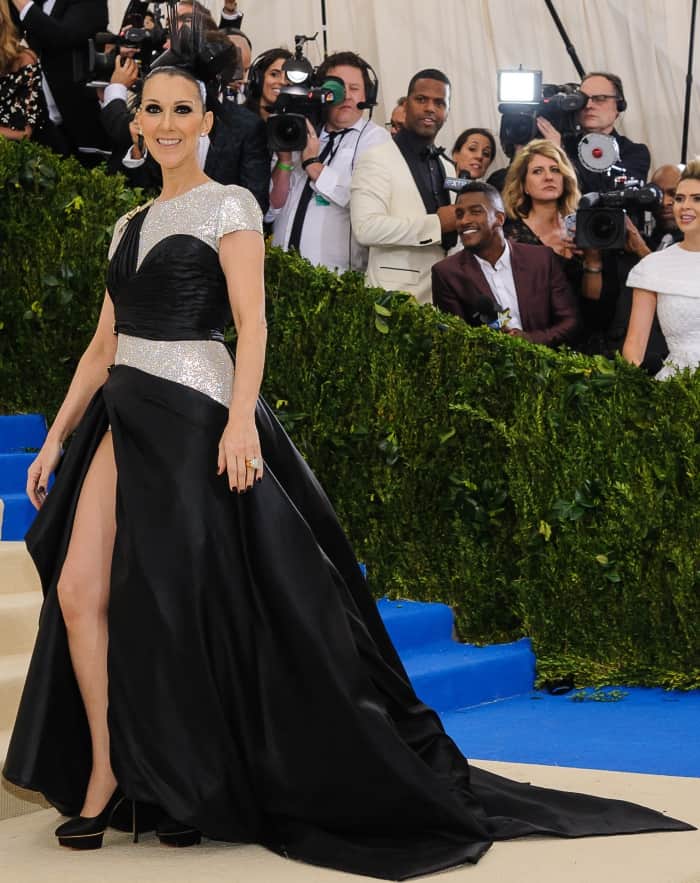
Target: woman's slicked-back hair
517	202
173	71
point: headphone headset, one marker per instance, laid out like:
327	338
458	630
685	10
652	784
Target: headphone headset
369	75
371	87
256	72
620	100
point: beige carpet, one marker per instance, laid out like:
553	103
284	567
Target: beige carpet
29	853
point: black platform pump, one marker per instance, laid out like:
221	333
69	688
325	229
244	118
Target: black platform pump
84	832
173	833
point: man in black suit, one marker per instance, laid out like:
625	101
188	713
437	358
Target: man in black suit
605	101
58	31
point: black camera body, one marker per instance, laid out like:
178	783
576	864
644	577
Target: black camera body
304	100
286	125
600	219
558	104
148	44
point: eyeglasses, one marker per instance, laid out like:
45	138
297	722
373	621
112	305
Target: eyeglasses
598	99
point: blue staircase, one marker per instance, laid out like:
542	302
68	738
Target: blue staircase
447	675
21	435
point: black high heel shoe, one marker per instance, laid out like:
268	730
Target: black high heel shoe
172	833
85	832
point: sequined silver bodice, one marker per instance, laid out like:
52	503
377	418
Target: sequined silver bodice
170	293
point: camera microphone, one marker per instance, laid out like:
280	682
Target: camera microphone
331	91
486	312
456	185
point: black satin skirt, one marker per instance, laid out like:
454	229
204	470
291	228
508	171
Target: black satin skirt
254	693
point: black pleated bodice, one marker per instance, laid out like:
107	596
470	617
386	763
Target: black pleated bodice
177	293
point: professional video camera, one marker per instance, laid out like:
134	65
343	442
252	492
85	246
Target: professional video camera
600	218
147	44
301	101
523	97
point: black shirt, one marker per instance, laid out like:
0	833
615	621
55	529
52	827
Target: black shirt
423	160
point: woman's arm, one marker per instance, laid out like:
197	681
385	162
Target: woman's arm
89	376
242	256
639	328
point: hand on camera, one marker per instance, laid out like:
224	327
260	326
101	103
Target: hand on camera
313	144
634	241
547	130
126	71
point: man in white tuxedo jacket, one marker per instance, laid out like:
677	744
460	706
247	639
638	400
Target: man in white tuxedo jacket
399	207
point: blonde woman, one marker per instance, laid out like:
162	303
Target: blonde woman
666	282
540	190
20	82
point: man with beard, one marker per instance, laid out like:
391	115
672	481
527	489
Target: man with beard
399	206
519	287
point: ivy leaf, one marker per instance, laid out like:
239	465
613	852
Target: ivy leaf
381	310
602	559
446	436
381	325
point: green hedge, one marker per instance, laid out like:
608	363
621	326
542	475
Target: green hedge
539	493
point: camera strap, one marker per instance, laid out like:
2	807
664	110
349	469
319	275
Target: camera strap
328	152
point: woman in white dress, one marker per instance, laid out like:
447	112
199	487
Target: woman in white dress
668	281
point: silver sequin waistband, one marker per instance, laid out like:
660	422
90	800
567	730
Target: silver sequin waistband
204	365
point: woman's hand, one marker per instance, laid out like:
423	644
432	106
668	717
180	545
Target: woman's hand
238	447
40	471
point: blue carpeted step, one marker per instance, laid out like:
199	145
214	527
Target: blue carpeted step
447	675
18	515
13	472
21	431
412	623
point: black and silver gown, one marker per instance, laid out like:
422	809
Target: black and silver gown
253	691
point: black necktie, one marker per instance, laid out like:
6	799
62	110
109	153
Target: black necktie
307	193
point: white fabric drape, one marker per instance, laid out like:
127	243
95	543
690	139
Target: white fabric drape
644	41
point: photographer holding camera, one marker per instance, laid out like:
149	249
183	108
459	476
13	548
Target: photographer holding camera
58	31
311	189
605	101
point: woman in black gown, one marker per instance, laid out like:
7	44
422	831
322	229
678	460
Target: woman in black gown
248	688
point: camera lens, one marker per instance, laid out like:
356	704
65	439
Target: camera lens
286	132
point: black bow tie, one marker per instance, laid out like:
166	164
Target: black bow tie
432	152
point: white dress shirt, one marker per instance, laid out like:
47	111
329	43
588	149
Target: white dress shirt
326	237
51	106
502	285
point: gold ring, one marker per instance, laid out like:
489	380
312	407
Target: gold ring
252	463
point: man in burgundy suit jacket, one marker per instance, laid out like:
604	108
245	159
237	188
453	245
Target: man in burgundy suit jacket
491	275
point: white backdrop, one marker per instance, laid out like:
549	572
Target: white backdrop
644	41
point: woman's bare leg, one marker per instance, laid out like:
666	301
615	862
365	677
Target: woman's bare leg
83	593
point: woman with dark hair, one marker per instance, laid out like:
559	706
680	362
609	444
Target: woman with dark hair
248	687
265	79
20	83
473	152
665	283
